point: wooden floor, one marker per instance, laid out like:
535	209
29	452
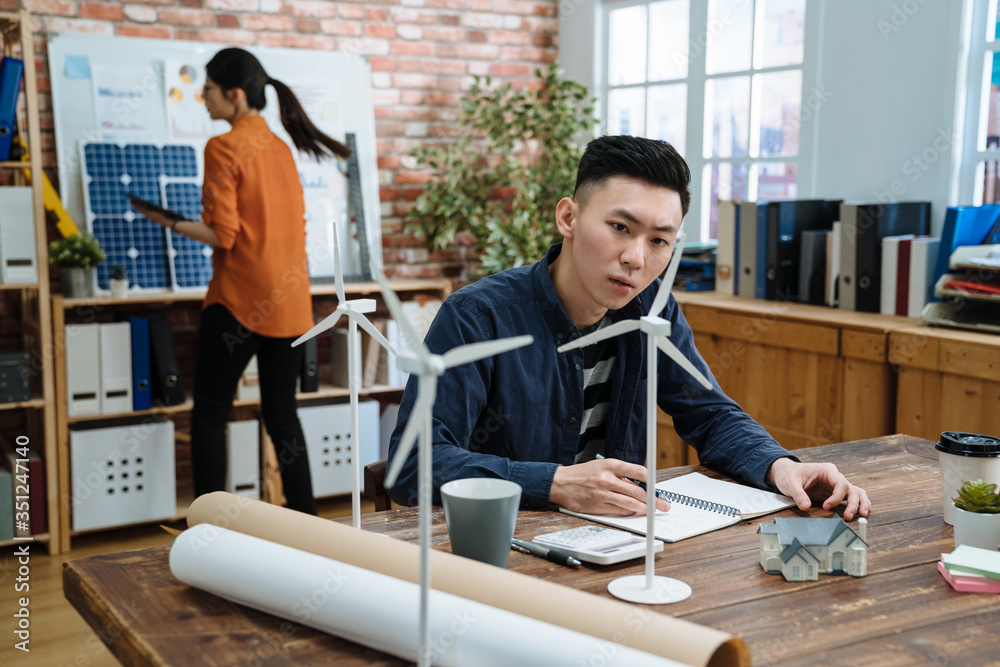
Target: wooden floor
59	636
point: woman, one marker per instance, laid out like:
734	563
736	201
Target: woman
258	301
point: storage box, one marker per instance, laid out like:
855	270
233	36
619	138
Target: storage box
15	377
243	448
122	474
327	429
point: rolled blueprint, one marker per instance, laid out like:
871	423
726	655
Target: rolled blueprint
634	626
380	611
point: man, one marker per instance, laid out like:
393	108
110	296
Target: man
569	427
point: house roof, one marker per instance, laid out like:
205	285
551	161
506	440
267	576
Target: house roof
808	532
794	548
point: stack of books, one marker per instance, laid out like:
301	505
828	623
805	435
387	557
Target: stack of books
971	570
970	292
696	272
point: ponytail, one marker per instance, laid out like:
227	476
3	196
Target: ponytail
306	136
236	68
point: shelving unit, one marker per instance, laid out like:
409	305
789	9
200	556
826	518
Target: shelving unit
36	315
102	306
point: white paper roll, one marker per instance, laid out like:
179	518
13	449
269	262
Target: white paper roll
377	610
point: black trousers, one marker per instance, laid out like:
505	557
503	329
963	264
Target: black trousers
224	349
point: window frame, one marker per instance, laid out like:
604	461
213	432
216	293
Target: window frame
967	178
697	223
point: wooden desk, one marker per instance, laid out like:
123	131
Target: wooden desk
902	613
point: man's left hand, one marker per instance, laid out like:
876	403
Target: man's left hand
808	482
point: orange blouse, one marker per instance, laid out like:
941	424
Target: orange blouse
252	198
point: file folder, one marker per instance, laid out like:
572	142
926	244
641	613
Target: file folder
142	390
164	369
116	368
746	250
83	369
309	377
11	72
15	377
787	221
6	503
17	236
243	449
18	465
726	264
861	255
36	470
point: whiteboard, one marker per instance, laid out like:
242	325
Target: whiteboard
334	88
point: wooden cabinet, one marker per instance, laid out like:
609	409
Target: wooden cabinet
810	375
949	380
103	308
33	298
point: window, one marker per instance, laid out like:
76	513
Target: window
721	81
981	168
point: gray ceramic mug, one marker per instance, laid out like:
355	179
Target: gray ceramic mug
481	513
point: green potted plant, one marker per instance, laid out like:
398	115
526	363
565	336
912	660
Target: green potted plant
118	282
76	256
977	515
497	186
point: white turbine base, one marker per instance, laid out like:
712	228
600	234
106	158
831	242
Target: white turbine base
663	591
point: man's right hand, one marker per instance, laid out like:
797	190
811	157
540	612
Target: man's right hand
598	487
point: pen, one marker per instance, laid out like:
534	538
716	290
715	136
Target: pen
660	493
545	552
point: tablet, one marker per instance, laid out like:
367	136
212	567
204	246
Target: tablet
142	203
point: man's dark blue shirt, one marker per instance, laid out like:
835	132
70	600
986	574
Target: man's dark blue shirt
517	415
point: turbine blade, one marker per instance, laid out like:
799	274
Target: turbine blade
338	274
375	333
671	351
660	302
607	332
476	351
328	323
413	340
421	411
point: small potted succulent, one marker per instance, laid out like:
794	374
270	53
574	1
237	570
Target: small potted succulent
118	282
977	515
76	256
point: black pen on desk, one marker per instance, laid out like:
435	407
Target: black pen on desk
660	493
544	552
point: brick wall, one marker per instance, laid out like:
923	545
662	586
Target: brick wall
423	54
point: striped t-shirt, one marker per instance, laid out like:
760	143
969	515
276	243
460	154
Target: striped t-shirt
598	367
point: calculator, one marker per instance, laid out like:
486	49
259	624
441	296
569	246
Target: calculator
597	544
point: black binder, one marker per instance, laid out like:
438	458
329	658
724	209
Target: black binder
309	376
166	376
812	267
874	222
786	221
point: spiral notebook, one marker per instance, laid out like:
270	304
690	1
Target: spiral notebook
699	504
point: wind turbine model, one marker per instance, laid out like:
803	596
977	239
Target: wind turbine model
355	311
428	367
650	589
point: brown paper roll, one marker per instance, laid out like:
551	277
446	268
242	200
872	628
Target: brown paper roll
631	625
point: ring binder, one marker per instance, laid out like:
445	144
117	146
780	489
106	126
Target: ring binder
698	503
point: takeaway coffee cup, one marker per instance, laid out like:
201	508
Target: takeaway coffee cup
963	457
481	513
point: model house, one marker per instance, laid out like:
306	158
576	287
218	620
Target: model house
802	549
